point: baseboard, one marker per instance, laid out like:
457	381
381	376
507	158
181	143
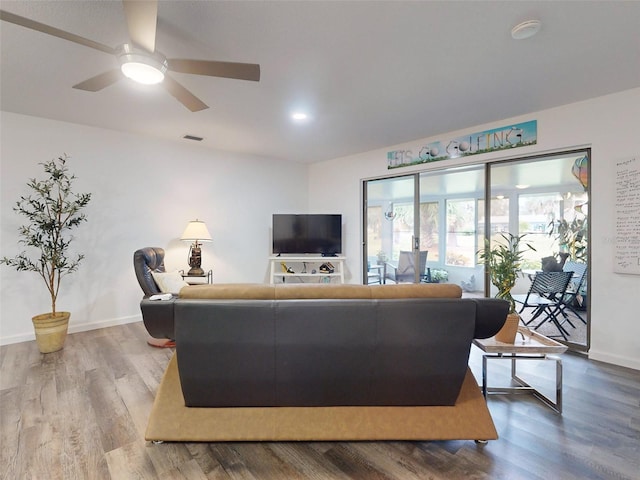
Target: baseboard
614	359
73	328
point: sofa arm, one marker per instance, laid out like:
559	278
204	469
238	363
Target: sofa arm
158	317
491	313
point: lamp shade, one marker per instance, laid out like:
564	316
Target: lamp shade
196	231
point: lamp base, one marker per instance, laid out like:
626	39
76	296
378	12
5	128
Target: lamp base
195	272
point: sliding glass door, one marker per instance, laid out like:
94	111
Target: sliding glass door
391	236
432	215
546	200
437	221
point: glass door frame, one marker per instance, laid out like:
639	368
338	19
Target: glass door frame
579	347
415	237
487	216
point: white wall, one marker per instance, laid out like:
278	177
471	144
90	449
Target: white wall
609	125
144	192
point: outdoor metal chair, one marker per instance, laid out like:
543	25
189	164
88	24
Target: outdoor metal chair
545	296
573	296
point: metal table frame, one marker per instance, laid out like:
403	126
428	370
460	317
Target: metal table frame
531	346
523	387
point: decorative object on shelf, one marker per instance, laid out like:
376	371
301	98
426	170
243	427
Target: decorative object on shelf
286	269
503	262
306	269
195	232
327	268
52	210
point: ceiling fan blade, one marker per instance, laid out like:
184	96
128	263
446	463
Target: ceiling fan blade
56	32
242	71
183	95
142	19
101	81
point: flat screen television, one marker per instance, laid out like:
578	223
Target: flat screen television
307	233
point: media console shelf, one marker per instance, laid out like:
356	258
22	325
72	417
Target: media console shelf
302	267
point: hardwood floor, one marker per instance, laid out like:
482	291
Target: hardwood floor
81	414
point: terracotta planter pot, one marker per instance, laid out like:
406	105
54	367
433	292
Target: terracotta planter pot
51	331
507	333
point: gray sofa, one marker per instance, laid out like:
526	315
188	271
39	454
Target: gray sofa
324	363
325	345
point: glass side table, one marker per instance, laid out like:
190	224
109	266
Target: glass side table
529	345
207	278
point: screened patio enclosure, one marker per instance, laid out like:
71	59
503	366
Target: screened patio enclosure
445	215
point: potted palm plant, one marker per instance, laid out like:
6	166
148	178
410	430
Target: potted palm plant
503	262
52	210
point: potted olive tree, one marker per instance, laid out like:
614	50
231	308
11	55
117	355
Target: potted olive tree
503	262
52	210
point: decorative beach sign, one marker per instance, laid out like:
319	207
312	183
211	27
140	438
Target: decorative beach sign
503	138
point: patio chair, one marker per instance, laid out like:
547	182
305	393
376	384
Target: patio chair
374	274
545	296
405	269
572	295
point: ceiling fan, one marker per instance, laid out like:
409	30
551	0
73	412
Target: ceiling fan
139	60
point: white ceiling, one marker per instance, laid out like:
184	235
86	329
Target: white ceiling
370	73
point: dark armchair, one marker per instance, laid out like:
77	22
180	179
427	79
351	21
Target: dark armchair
157	315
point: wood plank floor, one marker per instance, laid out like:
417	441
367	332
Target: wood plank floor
81	414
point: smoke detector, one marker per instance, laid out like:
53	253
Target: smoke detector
525	29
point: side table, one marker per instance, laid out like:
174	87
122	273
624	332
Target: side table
529	345
198	279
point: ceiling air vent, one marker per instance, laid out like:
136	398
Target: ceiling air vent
193	137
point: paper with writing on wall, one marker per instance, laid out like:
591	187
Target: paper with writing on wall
627	240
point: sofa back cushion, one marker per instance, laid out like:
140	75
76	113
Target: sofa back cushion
249	291
311	352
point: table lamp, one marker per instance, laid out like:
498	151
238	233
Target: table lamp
195	232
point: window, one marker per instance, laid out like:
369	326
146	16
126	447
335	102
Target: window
402	228
430	230
461	232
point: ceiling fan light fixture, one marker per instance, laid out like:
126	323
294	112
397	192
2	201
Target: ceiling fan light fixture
142	73
142	67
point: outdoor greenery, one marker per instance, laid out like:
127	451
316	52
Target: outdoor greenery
572	237
439	275
51	210
503	262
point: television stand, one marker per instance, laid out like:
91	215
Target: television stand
303	267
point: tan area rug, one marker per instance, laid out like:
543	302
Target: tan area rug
171	421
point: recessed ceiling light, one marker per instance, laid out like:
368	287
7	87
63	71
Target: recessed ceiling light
299	116
525	29
522	187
